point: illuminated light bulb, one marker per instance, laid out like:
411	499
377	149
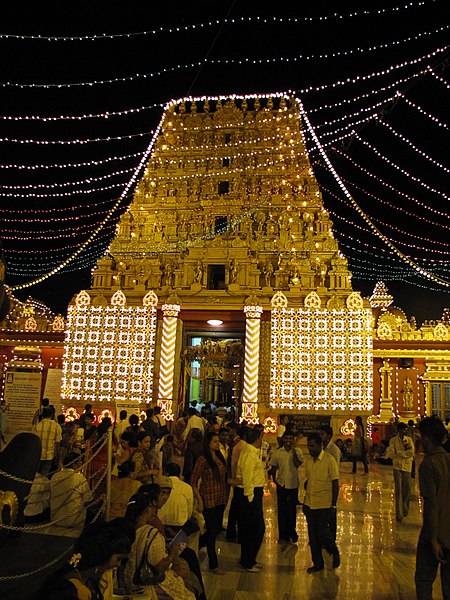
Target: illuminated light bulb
215	322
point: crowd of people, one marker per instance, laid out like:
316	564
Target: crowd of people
170	490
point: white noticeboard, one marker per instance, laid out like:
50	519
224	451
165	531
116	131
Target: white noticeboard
23	394
53	384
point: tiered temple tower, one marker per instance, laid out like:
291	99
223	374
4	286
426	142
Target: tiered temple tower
228	207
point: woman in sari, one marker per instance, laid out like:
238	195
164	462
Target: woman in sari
150	547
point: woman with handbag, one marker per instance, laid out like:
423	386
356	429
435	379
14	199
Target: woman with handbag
149	564
359	448
211	494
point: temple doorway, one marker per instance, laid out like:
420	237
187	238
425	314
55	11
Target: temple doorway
213	369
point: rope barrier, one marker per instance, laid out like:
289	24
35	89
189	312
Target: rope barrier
33	528
21	480
54	561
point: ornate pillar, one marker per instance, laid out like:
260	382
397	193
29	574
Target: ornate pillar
167	361
386	409
251	361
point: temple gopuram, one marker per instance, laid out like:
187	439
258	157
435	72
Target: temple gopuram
224	283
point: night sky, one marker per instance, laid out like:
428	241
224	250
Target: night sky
387	135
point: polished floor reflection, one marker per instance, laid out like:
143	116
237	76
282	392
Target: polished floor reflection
377	553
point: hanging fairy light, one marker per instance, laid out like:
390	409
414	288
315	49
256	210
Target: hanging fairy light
227	61
212	23
412	263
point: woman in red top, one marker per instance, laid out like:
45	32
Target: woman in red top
212	494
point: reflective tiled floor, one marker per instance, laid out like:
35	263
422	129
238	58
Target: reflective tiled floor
377	553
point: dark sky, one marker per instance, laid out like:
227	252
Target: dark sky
396	166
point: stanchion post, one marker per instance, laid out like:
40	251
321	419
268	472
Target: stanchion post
108	474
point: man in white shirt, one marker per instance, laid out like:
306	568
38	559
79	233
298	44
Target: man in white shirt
38	503
194	422
326	434
237	434
281	428
322	489
401	450
121	425
252	474
49	432
69	494
180	504
284	463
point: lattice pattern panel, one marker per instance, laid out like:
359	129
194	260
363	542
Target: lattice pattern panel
321	359
109	354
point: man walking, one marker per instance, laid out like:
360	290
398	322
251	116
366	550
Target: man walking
401	450
322	489
237	443
49	432
284	463
251	472
326	434
433	548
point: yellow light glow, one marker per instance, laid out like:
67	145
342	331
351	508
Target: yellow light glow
320	359
109	352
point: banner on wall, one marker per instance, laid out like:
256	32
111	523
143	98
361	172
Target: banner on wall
53	383
23	394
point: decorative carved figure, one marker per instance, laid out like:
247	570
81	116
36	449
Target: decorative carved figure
408	394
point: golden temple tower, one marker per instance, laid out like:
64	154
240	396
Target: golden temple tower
228	207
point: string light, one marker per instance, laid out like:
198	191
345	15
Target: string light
402	231
412	215
229	61
259	61
104	115
368	94
419	269
380	73
108	114
103	81
347	127
63	194
103	222
36	186
373	250
422	111
384	255
58	250
411	145
78	141
74	217
72	165
193	26
398	168
355	114
46	234
390	187
439	78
